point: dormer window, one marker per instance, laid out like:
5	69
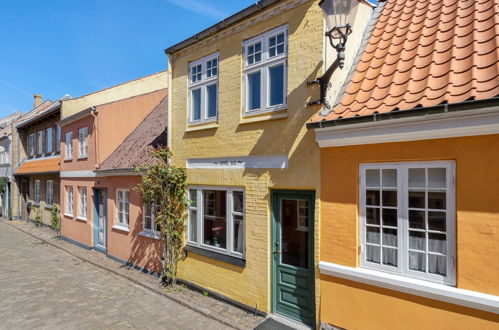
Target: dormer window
203	90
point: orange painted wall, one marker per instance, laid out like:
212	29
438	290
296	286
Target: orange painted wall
76	164
477	217
129	246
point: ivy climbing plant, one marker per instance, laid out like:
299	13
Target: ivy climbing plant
164	186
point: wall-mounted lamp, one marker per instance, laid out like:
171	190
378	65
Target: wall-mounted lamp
338	17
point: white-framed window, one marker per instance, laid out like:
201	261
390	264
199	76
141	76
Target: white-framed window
203	89
407	219
149	224
39	143
69	145
69	200
48	140
123	207
83	142
58	138
37	192
216	219
82	210
31	144
49	193
265	71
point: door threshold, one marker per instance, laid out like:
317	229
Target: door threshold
289	321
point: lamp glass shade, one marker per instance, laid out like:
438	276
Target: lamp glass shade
338	12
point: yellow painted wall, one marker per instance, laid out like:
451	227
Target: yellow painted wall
251	284
132	88
477	229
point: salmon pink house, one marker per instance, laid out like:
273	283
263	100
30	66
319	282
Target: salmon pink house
102	144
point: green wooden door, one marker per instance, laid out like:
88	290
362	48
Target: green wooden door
292	255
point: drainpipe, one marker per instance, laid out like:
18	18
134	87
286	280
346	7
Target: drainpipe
94	113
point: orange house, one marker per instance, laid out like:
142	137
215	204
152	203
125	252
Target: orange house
101	147
409	175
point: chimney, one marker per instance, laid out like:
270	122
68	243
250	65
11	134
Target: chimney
38	100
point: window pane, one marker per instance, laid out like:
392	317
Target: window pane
193	197
373	254
417	240
238	233
437	264
390	257
417	199
372	235
238	201
211	93
436	200
254	90
147	217
437	178
372	197
390	237
417	177
436	221
193	228
372	216
417	219
437	243
389	198
276	75
389	217
372	178
196	104
417	261
389	178
215	218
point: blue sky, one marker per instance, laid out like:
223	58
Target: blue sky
57	47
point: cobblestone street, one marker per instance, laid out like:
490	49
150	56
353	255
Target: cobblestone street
42	287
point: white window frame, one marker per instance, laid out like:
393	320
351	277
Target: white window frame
263	67
69	146
402	220
49	140
37	192
155	233
58	138
39	142
203	85
122	217
69	201
83	142
82	207
230	220
31	144
49	193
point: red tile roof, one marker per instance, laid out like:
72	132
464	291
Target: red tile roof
48	165
423	53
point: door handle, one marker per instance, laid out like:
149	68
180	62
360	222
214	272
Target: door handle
280	251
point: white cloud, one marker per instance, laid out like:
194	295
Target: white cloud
199	7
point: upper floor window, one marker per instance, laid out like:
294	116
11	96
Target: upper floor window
58	138
4	157
31	145
123	207
48	140
39	142
83	142
265	71
203	89
69	145
407	214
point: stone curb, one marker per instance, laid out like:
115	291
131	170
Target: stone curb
143	285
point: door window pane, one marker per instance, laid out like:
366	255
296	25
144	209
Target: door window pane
276	75
211	93
215	218
254	90
294	242
196	104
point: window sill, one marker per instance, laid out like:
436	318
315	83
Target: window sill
201	127
150	235
264	116
48	207
218	256
441	292
81	219
82	157
67	215
68	159
36	204
121	228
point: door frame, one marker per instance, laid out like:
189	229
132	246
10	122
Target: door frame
96	218
276	195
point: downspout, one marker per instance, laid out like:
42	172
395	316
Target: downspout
94	113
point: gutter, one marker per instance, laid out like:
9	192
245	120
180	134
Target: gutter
231	20
79	115
422	111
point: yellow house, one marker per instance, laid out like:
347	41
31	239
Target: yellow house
409	176
238	100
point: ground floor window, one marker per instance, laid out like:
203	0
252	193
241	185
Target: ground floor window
69	200
82	212
149	219
37	192
216	219
407	213
123	207
49	193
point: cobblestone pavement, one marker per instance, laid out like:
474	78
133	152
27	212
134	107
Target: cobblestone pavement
43	287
